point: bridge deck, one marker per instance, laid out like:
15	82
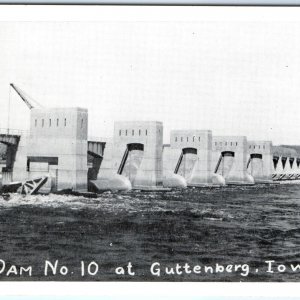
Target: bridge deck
11	136
96	148
9	139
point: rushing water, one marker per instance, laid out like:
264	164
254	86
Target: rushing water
199	226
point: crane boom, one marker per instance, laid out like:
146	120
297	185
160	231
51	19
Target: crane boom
19	92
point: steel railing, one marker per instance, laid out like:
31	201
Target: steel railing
11	131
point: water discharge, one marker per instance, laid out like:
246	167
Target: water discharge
198	226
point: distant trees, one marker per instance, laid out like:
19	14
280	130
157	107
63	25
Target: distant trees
286	150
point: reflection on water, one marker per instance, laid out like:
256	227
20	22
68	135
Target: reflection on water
229	225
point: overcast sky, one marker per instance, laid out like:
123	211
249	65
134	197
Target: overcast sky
235	78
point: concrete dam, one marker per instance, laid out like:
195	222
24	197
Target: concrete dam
57	146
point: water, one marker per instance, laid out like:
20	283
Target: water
229	225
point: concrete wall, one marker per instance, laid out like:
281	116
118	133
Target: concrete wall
260	169
287	171
149	171
20	165
233	169
196	169
291	168
59	133
278	170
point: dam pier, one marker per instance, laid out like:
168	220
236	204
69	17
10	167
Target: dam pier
57	147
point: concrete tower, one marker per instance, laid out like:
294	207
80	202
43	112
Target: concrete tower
230	159
133	158
57	145
260	161
188	158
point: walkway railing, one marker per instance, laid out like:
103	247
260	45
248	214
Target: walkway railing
11	131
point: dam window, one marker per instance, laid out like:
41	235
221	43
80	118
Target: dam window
81	123
132	132
264	146
199	138
187	138
258	147
35	122
65	122
230	143
225	143
57	122
49	122
43	122
193	139
120	132
126	132
181	139
236	143
253	147
146	132
139	131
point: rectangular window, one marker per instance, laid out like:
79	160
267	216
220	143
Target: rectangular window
139	131
176	139
181	138
81	123
146	132
126	132
216	143
49	122
230	143
199	138
250	147
193	139
120	132
132	132
236	143
225	143
35	122
57	122
42	122
65	122
187	139
264	146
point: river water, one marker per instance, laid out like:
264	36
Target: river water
197	226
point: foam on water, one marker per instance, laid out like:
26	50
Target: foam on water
237	224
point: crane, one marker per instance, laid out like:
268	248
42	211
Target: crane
23	96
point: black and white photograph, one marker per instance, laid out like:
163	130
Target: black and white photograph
142	146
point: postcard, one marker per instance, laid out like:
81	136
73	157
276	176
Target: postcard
153	144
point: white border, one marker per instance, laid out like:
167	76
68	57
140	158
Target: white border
148	290
151	290
62	13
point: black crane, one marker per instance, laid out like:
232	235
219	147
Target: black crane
23	96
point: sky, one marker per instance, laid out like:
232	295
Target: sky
232	77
